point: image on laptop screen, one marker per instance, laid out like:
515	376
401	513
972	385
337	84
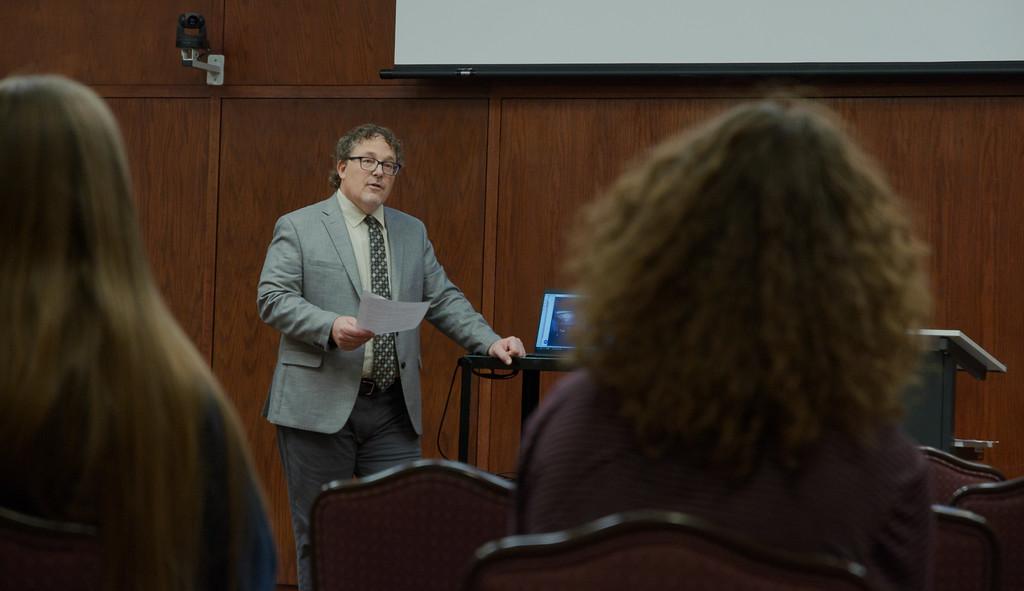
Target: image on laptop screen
557	315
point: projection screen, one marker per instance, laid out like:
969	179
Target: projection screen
588	37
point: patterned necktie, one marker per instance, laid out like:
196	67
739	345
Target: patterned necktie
384	356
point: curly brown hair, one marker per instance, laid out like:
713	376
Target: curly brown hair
750	286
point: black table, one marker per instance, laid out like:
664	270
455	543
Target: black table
530	367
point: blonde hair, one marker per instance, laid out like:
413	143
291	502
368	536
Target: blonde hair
750	287
103	399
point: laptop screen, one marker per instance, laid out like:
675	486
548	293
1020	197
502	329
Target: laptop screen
557	315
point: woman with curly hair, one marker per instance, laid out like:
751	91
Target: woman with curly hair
108	415
748	292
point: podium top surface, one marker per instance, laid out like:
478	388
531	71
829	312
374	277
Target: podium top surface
967	346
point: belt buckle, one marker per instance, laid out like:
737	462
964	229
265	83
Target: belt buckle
371	391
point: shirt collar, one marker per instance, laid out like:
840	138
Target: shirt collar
355	216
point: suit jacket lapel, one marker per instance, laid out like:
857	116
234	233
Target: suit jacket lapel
397	256
334	222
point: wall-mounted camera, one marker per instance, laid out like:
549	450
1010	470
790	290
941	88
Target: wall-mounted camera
195	48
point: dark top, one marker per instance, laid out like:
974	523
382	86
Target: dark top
579	461
258	561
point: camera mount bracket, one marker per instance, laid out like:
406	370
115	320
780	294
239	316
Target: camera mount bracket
212	64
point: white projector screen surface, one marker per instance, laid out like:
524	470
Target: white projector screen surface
560	32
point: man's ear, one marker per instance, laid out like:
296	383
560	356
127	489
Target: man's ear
342	165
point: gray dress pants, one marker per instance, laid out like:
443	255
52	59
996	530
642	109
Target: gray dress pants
377	436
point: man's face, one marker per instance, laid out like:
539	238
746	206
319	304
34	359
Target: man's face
368	190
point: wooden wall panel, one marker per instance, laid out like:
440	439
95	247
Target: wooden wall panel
276	155
555	155
167	143
957	160
108	42
309	41
954	158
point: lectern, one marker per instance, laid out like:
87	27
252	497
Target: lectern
931	400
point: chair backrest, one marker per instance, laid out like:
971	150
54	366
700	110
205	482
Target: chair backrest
42	555
949	473
966	552
640	550
1002	506
414	526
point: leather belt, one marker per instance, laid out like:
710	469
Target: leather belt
368	387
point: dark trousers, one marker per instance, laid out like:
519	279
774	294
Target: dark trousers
377	436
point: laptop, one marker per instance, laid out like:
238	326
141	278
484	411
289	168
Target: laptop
557	316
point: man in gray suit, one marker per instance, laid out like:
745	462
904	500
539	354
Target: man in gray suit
346	402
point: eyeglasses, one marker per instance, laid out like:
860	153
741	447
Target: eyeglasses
370	164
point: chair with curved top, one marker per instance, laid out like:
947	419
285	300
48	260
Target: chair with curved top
414	526
1002	506
43	555
949	473
640	550
966	551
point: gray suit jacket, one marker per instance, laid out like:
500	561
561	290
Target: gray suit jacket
310	278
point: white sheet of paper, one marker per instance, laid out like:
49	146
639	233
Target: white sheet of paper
382	316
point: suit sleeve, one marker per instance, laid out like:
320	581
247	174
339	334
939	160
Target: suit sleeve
449	310
280	296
